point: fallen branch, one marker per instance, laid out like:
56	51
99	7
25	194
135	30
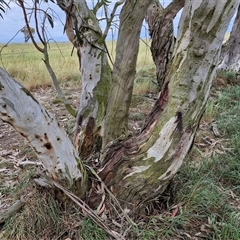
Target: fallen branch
45	180
11	210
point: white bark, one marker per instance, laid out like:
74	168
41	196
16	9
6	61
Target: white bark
50	142
83	30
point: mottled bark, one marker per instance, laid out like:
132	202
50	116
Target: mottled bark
230	55
82	29
50	142
131	18
139	169
160	23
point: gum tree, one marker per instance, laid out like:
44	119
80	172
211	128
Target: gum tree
230	54
135	168
160	24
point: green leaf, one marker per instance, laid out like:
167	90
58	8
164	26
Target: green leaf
106	2
50	19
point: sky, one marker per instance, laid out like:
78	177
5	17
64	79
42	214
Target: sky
13	22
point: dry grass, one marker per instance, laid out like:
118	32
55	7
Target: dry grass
24	62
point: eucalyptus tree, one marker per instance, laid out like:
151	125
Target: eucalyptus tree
137	167
230	54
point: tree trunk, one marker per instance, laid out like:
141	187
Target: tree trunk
95	71
139	169
124	69
50	142
160	23
230	55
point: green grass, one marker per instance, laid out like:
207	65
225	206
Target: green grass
210	189
207	188
90	231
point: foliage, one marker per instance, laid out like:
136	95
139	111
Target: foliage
25	31
3	6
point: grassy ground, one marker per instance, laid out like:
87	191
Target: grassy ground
202	201
24	63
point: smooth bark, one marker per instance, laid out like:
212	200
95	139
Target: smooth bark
50	142
124	69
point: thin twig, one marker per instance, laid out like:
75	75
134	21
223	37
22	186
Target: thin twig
112	196
85	207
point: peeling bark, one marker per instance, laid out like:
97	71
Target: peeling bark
160	23
230	55
140	168
50	142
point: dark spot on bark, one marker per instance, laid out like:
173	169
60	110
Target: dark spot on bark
88	143
58	124
58	138
22	134
47	113
45	136
4	114
1	87
80	119
90	126
90	76
179	121
36	150
4	106
37	136
129	166
48	145
168	173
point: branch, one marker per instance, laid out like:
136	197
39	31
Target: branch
173	8
13	208
97	6
21	3
44	50
40	128
109	21
36	24
83	206
71	110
